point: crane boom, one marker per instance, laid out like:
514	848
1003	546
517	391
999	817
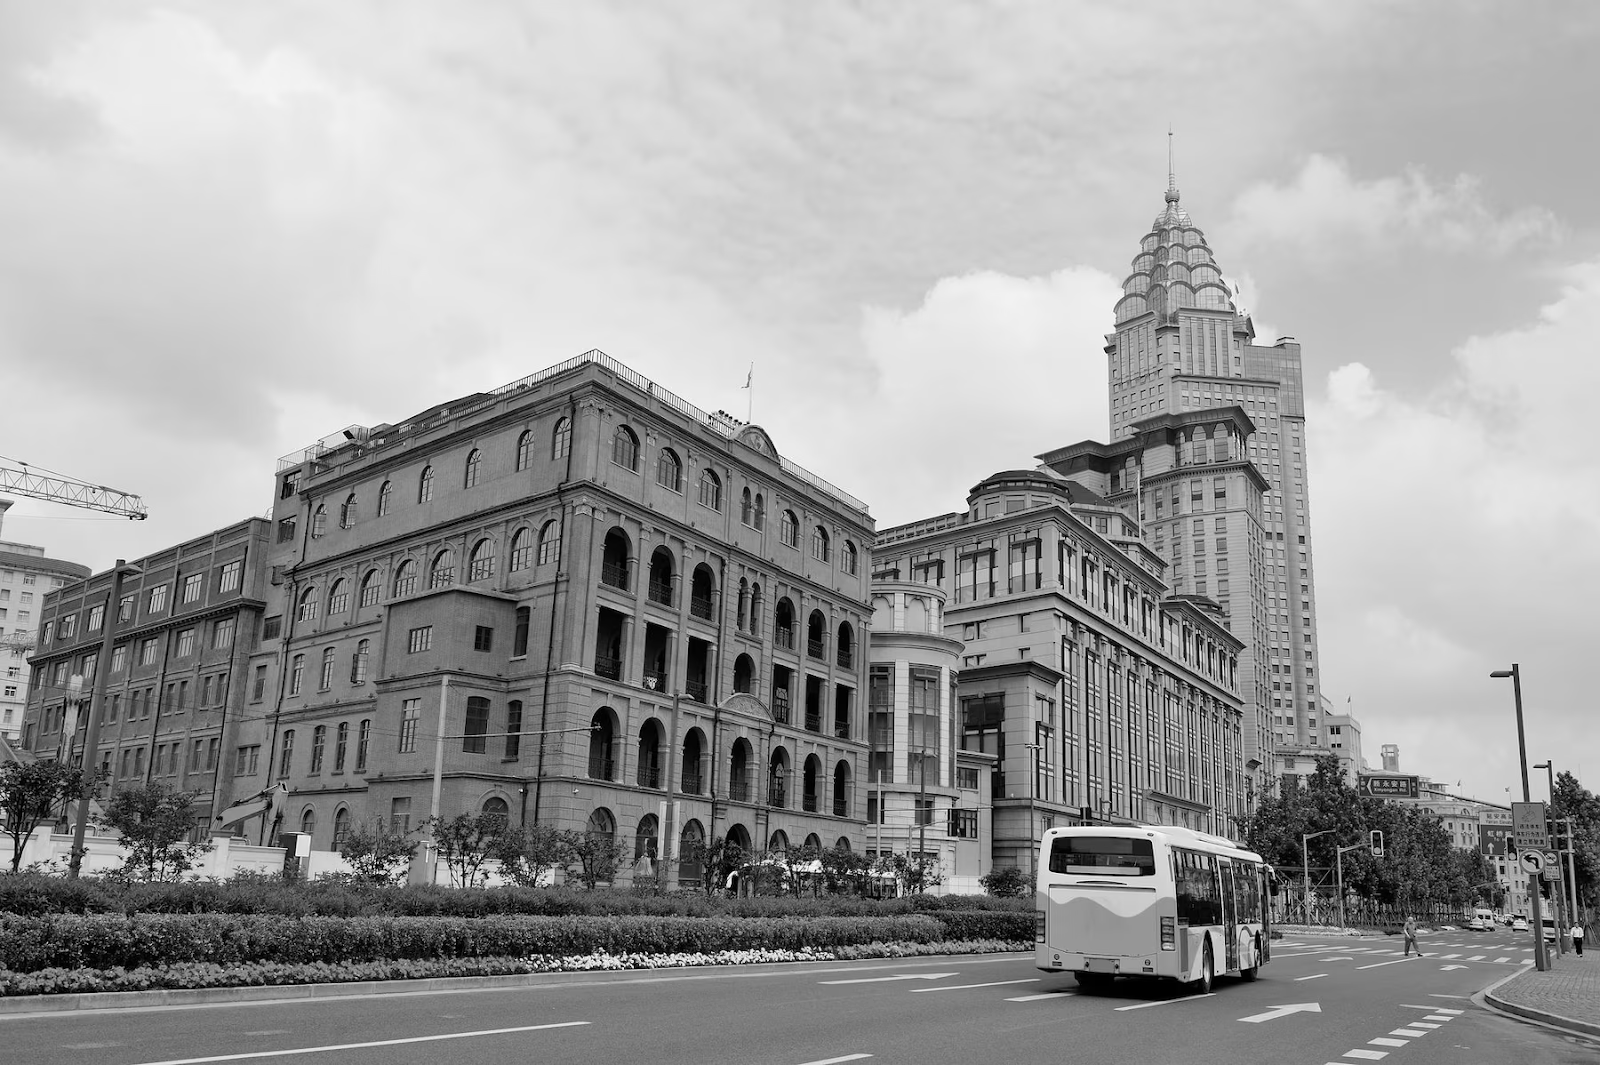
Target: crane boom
57	489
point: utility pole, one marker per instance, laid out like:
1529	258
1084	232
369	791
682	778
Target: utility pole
97	704
1572	874
1305	868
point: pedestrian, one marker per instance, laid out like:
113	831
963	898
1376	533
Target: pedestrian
1411	936
1577	939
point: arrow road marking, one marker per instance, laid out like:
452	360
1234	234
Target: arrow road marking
1283	1011
1447	968
887	979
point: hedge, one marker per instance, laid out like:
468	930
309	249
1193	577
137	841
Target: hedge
104	941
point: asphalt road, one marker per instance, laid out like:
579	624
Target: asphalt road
1320	1000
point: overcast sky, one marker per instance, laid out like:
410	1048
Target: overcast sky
228	229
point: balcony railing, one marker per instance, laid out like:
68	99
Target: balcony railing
783	636
780	711
738	790
777	794
700	608
614	575
841	727
813	721
655	679
649	776
814	648
608	667
841	807
696	690
601	769
809	804
846	658
693	783
660	592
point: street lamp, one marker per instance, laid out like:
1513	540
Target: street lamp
1515	673
1305	867
1033	843
1562	925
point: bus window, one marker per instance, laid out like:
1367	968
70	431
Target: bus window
1102	856
1199	897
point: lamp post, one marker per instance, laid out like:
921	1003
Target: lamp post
1563	943
1305	867
1515	673
1338	868
97	705
1033	843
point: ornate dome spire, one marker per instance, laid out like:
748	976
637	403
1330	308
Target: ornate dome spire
1174	267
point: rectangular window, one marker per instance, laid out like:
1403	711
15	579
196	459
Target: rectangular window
297	674
419	639
245	761
97	618
483	638
519	635
964	824
410	711
271	627
286	754
222	634
400	815
513	729
185	643
363	738
147	652
229	575
319	741
119	658
258	686
473	741
341	744
192	586
967	778
158	600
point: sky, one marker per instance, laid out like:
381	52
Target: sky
229	229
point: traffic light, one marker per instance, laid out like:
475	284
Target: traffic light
1377	843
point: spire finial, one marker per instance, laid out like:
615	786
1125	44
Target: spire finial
1172	173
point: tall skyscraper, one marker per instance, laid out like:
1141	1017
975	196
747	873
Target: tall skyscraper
1180	346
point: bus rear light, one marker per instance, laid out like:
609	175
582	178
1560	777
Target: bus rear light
1038	926
1169	933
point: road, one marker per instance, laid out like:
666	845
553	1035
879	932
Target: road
1320	1000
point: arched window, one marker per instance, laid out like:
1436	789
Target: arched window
813	844
625	449
297	675
755	608
816	634
480	564
845	649
347	512
811	785
649	775
442	572
308	822
306	609
341	827
319	521
783	624
710	489
660	587
694	745
741	619
778	778
669	470
841	789
739	773
339	597
848	559
778	841
561	439
358	662
323	684
701	588
549	543
469	478
819	544
614	559
744	671
385	498
747	507
602	744
524	449
425	485
405	578
644	838
494	806
521	549
761	511
601	824
371	588
691	861
789	529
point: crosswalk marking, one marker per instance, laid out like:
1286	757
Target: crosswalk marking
1502	959
1367	1055
1385	1041
1451	957
1410	1032
1477	957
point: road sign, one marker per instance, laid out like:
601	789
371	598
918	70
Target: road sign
1389	786
1528	826
1551	858
1551	873
1533	861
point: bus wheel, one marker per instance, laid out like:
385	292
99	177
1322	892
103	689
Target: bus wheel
1254	970
1208	971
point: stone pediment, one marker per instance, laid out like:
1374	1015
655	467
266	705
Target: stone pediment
756	439
745	703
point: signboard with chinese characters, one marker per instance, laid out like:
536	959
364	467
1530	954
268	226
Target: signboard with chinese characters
1389	786
1528	827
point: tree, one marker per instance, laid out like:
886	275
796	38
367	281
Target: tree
845	870
30	792
466	842
597	856
912	874
717	859
155	825
378	854
1572	799
1007	882
529	857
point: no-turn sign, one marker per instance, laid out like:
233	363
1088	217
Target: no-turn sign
1533	861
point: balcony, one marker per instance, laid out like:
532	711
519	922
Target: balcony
649	776
695	689
777	794
608	667
783	636
614	575
841	728
700	608
813	721
814	649
693	782
846	658
809	804
655	679
841	808
660	592
739	791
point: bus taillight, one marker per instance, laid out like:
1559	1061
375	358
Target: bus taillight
1169	933
1038	926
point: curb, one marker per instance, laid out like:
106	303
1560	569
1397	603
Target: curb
1487	998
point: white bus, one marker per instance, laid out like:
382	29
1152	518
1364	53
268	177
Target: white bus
1150	900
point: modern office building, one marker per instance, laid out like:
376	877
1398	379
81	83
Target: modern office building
26	577
185	625
1181	346
1102	697
575	600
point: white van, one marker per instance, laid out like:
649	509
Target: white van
1482	920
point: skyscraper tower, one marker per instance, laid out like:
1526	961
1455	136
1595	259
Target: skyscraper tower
1180	346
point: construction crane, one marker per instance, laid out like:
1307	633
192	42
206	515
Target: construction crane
21	479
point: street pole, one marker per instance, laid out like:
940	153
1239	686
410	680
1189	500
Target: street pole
1305	868
1563	944
1541	962
1572	874
1338	867
438	776
1033	843
97	703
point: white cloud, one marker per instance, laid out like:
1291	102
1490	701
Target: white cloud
1328	214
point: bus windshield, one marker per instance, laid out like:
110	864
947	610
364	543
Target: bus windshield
1102	856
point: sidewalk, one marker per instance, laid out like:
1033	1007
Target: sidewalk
1566	995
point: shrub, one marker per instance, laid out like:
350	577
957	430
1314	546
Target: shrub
1006	883
34	894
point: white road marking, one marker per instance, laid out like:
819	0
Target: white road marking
1502	959
1434	995
1385	1041
1318	976
1437	1017
1414	1006
968	987
1381	964
1421	1024
1413	1033
1477	957
1165	1002
1451	957
362	1046
1275	1012
1453	1013
1368	1055
1041	998
1447	968
836	1061
888	979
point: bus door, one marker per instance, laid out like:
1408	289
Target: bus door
1230	918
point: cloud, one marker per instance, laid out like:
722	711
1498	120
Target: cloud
1330	215
1452	536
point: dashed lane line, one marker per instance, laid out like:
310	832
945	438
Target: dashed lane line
1381	964
968	987
362	1046
836	1061
1165	1002
1041	998
1318	976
